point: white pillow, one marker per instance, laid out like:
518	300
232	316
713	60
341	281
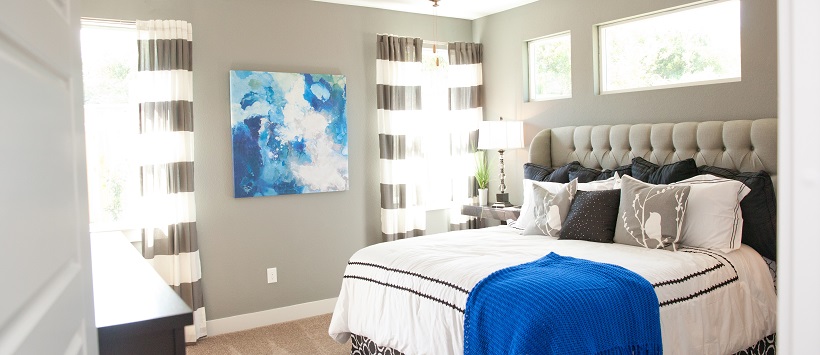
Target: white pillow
713	217
527	215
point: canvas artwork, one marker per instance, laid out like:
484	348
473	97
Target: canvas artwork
289	133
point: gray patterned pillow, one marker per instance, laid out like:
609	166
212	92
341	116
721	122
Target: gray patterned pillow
551	208
651	216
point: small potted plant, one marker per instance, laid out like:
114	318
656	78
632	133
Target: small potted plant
482	176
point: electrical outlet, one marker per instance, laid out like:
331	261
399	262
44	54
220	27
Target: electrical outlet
271	275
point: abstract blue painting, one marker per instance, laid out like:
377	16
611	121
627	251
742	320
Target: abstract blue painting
289	133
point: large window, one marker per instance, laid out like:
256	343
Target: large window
109	54
550	74
436	139
693	45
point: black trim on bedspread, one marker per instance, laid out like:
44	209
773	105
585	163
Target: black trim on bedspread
441	282
362	345
698	273
687	277
409	273
406	289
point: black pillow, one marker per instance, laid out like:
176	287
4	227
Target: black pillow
592	216
562	174
759	209
621	170
536	172
647	171
583	174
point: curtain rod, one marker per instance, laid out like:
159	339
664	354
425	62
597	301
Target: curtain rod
108	22
426	42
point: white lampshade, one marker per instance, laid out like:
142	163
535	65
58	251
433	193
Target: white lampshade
500	134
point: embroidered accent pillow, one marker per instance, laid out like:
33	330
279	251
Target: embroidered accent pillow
651	216
550	208
592	216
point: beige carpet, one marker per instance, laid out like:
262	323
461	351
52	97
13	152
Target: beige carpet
304	336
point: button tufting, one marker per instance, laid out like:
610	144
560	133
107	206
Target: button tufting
698	149
724	149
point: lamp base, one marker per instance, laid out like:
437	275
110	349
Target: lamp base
503	199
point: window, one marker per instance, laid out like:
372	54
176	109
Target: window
436	139
550	67
109	55
694	45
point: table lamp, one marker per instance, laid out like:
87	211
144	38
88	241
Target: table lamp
501	135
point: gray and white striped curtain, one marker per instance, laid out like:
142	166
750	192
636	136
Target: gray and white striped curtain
398	87
465	87
164	91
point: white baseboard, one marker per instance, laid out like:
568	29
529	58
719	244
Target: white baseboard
271	316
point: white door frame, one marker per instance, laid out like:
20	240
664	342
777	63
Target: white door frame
798	196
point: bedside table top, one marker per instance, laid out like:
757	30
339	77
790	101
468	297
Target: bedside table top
501	214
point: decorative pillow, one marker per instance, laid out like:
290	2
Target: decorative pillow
537	172
620	171
592	216
599	185
550	209
583	174
713	217
651	216
527	215
759	209
562	174
647	171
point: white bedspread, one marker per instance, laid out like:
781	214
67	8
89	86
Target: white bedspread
410	294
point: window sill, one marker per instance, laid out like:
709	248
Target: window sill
130	230
440	206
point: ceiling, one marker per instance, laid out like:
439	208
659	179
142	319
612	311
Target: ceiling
464	9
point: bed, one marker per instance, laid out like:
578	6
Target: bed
410	296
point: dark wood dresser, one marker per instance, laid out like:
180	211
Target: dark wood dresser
135	310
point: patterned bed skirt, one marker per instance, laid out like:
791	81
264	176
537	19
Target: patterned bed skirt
364	346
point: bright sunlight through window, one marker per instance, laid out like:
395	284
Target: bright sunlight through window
436	140
550	67
694	45
109	57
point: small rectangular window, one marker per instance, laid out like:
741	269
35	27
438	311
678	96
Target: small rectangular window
694	45
550	65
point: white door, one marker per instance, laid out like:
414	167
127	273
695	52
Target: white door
45	273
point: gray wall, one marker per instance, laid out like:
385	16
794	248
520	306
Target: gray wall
504	36
309	238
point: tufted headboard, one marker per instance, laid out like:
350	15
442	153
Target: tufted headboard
744	145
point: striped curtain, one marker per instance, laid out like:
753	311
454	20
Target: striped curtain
164	91
398	87
465	87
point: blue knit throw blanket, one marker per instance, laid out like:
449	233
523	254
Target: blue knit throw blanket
562	305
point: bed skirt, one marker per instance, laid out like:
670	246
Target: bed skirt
364	346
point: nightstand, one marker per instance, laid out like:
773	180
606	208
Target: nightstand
487	212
